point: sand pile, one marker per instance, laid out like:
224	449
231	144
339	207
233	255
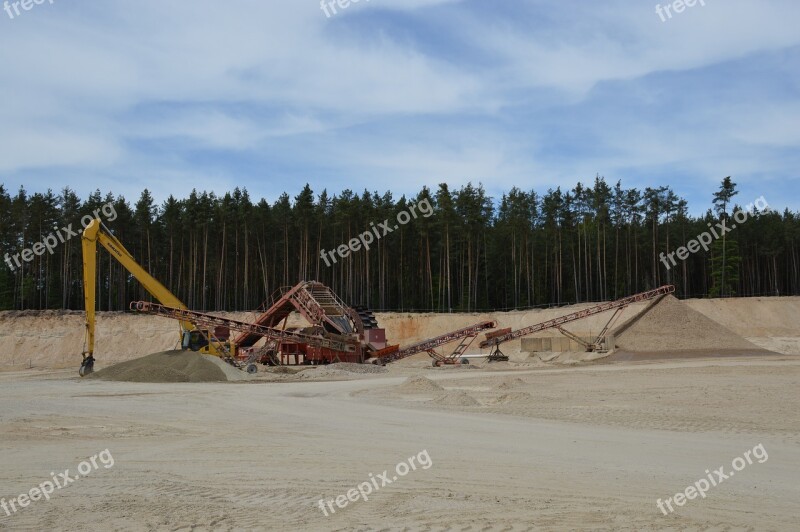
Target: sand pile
419	384
455	398
511	383
514	397
171	366
232	373
671	326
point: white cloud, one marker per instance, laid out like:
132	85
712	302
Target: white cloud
447	90
46	148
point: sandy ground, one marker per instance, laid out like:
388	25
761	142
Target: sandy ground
519	445
589	448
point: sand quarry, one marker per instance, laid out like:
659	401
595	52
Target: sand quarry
546	441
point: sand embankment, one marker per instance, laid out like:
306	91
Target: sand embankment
55	339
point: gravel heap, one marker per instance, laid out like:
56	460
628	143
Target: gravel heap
418	384
455	398
672	326
511	383
170	366
515	397
232	373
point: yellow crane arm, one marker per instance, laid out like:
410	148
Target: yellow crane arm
91	236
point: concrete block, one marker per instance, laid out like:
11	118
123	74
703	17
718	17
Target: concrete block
611	341
531	345
561	344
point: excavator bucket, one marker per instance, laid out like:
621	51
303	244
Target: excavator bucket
87	366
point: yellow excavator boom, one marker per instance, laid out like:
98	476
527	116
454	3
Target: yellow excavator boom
93	234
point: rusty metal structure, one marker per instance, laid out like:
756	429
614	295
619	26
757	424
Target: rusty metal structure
467	335
495	339
340	344
328	316
336	331
340	333
314	301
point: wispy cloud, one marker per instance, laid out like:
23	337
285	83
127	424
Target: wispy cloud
394	94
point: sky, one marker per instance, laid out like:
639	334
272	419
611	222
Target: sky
395	95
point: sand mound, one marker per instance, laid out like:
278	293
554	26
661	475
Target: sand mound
418	384
167	366
672	326
455	398
511	383
232	373
514	397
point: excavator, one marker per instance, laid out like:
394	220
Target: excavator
192	337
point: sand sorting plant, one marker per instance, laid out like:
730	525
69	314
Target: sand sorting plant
335	331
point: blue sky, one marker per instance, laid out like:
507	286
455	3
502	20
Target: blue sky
397	94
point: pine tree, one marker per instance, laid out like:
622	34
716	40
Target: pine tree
725	261
727	191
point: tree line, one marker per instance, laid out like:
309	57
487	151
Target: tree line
591	243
